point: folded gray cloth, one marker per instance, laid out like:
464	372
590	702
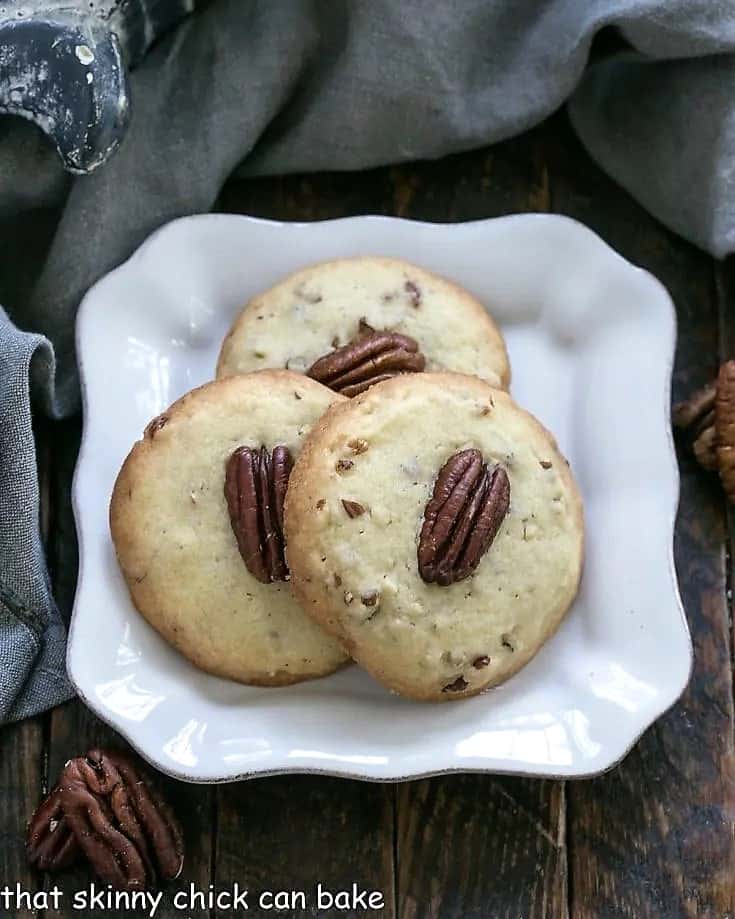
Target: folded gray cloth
32	636
268	86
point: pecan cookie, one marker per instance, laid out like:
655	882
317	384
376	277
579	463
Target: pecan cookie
353	322
197	521
436	530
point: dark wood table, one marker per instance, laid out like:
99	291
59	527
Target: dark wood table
653	837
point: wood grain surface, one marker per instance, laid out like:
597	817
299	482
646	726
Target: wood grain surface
652	838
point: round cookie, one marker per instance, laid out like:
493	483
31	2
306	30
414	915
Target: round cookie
328	306
356	507
175	543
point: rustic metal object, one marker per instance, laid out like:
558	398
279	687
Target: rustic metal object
63	67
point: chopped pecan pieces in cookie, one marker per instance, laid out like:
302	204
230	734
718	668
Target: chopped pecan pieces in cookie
459	685
255	489
358	445
462	518
154	426
414	294
353	508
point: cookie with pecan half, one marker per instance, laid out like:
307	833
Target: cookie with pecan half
354	322
434	527
197	521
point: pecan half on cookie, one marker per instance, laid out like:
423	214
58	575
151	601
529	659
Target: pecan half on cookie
370	358
255	489
462	518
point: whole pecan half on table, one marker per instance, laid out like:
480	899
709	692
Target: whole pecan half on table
369	358
113	856
255	489
139	813
468	505
50	843
102	808
708	418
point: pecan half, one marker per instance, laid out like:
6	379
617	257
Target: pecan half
708	419
104	809
696	407
255	489
370	358
140	813
113	856
725	427
127	832
696	416
50	843
465	512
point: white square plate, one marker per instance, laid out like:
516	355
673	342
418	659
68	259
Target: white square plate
591	342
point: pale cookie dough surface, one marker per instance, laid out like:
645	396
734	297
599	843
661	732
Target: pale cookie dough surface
172	532
383	449
318	309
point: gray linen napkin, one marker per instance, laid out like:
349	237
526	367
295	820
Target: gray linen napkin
269	86
32	636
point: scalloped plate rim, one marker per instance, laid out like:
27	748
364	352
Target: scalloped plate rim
117	722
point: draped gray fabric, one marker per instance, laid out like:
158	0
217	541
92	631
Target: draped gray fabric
271	86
